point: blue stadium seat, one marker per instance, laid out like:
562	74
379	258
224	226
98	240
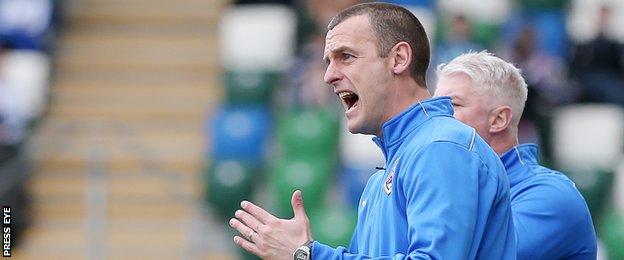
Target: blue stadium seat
25	23
240	132
551	32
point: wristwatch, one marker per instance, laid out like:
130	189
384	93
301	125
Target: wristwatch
304	252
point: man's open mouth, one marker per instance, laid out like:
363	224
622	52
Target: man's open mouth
350	99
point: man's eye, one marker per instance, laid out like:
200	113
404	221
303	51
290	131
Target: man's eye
346	56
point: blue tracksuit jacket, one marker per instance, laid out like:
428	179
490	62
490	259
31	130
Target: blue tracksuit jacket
550	216
444	194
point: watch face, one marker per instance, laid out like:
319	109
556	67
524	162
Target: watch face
301	255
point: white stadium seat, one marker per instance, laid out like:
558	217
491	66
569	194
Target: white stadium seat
582	19
589	136
491	11
257	37
26	74
359	150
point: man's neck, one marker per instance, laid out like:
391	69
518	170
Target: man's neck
405	95
502	143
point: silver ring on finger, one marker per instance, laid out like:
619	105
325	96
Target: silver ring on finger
251	233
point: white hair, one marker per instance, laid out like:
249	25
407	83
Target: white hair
500	81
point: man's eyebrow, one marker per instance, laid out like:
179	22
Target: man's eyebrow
337	50
455	97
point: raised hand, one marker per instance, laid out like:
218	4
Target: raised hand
268	236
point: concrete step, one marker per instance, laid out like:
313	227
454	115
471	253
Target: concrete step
120	52
118	210
117	163
190	167
146	12
118	41
64	187
142	76
161	187
70	210
209	91
127	112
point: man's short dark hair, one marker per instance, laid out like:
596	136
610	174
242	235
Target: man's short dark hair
393	24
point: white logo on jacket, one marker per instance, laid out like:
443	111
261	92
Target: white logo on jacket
387	185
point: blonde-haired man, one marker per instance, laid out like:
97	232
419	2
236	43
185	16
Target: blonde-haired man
550	216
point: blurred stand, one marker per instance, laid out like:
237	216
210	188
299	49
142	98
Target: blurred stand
599	64
458	40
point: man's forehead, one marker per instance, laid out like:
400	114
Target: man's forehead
352	32
453	84
358	25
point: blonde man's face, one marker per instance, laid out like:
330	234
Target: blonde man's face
469	106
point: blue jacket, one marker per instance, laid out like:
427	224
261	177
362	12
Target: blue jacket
444	194
550	216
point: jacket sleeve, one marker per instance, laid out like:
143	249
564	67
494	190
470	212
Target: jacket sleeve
440	185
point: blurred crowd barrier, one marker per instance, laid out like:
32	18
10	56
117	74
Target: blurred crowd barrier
280	127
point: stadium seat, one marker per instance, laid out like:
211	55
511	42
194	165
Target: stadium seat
543	5
618	189
228	183
240	132
311	174
250	87
485	33
551	35
491	11
333	225
359	150
308	131
25	23
257	37
26	74
582	19
589	136
612	235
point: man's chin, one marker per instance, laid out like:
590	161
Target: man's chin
355	128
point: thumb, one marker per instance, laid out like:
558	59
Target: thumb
297	205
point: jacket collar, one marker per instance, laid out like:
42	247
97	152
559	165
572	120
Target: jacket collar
517	158
400	126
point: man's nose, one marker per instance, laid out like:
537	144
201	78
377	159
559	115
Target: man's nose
331	75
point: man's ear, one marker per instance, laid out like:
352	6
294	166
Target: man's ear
401	55
500	119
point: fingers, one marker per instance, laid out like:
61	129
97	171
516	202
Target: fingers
250	247
245	231
249	220
297	204
259	213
